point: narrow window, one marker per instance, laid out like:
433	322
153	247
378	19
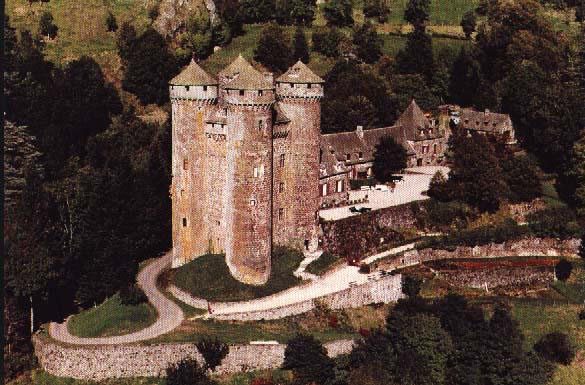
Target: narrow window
281	187
184	222
435	148
225	111
204	88
320	156
280	214
260	124
348	156
324	190
260	92
309	85
255	172
361	155
281	160
182	191
339	186
241	92
252	202
261	170
186	88
185	163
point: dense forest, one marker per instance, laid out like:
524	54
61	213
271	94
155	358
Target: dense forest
100	204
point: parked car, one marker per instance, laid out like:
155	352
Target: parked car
381	187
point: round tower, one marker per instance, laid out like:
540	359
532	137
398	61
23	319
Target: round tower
193	97
299	92
248	97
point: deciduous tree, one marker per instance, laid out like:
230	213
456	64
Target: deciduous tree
273	49
367	42
338	13
308	360
468	23
389	158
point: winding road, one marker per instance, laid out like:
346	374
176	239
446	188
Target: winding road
170	314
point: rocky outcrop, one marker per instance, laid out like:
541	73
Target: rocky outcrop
173	14
20	153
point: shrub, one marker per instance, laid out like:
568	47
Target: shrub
132	295
439	189
187	372
213	351
555	347
308	360
365	268
563	270
262	381
411	286
441	215
554	223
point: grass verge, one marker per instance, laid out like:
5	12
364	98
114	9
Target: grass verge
322	264
112	318
209	277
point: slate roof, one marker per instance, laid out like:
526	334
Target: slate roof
299	73
484	120
413	120
193	75
245	77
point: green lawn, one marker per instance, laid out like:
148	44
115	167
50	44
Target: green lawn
209	277
322	264
112	318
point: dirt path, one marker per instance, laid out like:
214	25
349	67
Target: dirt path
170	314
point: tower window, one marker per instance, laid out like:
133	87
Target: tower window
186	88
252	202
182	191
361	155
281	160
280	214
324	190
281	187
204	88
184	222
185	163
320	156
309	85
260	124
348	156
241	92
256	172
260	92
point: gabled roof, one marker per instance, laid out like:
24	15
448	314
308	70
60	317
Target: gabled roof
299	73
193	75
245	77
413	119
484	120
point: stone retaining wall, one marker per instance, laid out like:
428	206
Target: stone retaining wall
515	248
383	290
101	362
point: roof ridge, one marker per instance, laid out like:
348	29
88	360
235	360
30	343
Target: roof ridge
193	74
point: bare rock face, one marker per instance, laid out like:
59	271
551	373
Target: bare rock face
173	14
20	152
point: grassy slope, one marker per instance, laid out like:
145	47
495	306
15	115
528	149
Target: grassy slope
208	277
112	318
321	264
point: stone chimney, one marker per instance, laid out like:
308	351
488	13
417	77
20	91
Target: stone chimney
360	131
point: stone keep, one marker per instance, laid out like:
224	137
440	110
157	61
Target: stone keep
245	164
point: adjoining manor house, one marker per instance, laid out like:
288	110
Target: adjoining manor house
251	167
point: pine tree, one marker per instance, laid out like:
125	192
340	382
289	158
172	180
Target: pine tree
301	48
468	23
308	360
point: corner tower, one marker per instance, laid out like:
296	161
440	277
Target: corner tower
248	97
193	97
299	92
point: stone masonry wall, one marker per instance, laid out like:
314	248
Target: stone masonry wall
384	290
110	361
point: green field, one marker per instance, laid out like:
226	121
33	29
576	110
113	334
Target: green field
209	277
112	318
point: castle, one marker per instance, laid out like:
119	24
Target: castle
252	169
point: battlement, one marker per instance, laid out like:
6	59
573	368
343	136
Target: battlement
202	92
242	97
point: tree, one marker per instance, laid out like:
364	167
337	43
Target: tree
468	23
417	13
46	25
273	49
389	158
258	11
213	351
301	48
465	79
187	372
111	23
417	55
521	177
376	9
411	286
298	12
368	43
476	177
580	12
308	360
563	270
582	247
150	67
338	13
405	88
439	188
327	41
556	347
197	40
125	42
153	13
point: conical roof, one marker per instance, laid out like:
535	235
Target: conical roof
193	75
412	119
246	76
299	73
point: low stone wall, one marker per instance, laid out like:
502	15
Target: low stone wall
515	248
367	233
111	361
382	290
500	277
